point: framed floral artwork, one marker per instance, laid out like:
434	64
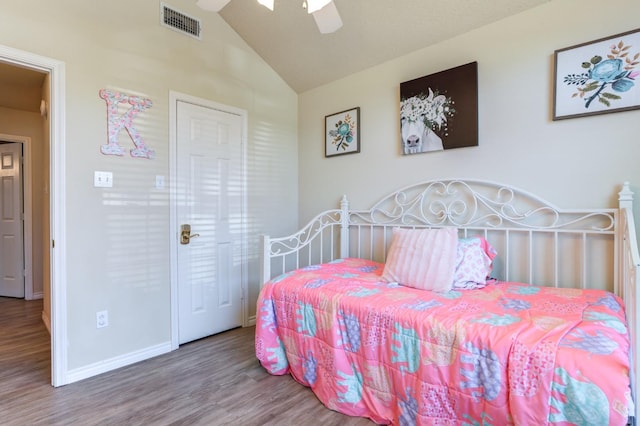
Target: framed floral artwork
342	133
597	77
440	111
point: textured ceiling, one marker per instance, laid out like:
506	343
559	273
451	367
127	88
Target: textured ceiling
374	32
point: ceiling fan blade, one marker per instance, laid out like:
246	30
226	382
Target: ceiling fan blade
328	19
315	5
267	3
212	5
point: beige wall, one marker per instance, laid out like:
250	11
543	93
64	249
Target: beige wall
29	124
118	256
572	163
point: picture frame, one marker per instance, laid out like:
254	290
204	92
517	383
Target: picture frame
440	111
342	133
597	77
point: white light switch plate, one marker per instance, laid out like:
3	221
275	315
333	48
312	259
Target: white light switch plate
159	182
103	179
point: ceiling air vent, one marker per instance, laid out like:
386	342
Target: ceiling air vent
178	21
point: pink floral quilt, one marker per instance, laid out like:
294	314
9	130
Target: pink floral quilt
508	353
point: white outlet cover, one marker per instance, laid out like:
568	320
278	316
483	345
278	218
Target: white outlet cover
102	319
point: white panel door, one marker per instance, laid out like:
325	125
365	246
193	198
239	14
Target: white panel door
11	239
209	200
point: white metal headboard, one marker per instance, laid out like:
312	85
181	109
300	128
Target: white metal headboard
536	241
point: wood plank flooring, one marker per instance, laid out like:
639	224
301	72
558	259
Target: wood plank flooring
213	381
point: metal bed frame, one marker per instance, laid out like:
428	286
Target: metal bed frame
537	242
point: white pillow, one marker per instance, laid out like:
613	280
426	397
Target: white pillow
473	263
422	258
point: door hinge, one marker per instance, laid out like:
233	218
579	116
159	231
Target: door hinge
53	243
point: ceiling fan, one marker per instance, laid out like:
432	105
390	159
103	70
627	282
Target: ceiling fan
324	11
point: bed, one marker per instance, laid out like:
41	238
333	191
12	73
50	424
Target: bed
457	302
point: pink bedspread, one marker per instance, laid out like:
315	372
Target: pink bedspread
506	354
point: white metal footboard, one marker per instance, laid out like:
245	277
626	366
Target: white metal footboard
629	283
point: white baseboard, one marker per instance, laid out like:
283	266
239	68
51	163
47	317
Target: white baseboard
33	296
251	321
46	321
117	362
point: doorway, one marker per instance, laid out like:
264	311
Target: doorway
13	215
31	290
207	218
54	290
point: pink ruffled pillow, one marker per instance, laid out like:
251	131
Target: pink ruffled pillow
474	262
422	258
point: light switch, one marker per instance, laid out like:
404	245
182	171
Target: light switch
159	182
103	179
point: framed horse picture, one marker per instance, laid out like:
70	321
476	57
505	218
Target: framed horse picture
440	111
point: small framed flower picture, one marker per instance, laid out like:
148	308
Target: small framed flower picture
342	132
597	77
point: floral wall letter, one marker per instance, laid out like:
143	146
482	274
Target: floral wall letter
125	121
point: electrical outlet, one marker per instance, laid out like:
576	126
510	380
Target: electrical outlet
102	319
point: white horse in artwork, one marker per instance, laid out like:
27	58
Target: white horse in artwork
418	114
417	137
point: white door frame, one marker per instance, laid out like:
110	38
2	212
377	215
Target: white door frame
58	309
174	97
26	206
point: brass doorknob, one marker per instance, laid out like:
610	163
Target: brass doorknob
185	234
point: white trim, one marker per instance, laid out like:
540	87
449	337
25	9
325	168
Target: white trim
173	214
27	210
117	362
57	214
174	97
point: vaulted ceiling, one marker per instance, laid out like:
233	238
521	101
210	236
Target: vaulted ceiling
373	32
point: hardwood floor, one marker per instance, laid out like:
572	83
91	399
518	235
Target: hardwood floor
213	381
